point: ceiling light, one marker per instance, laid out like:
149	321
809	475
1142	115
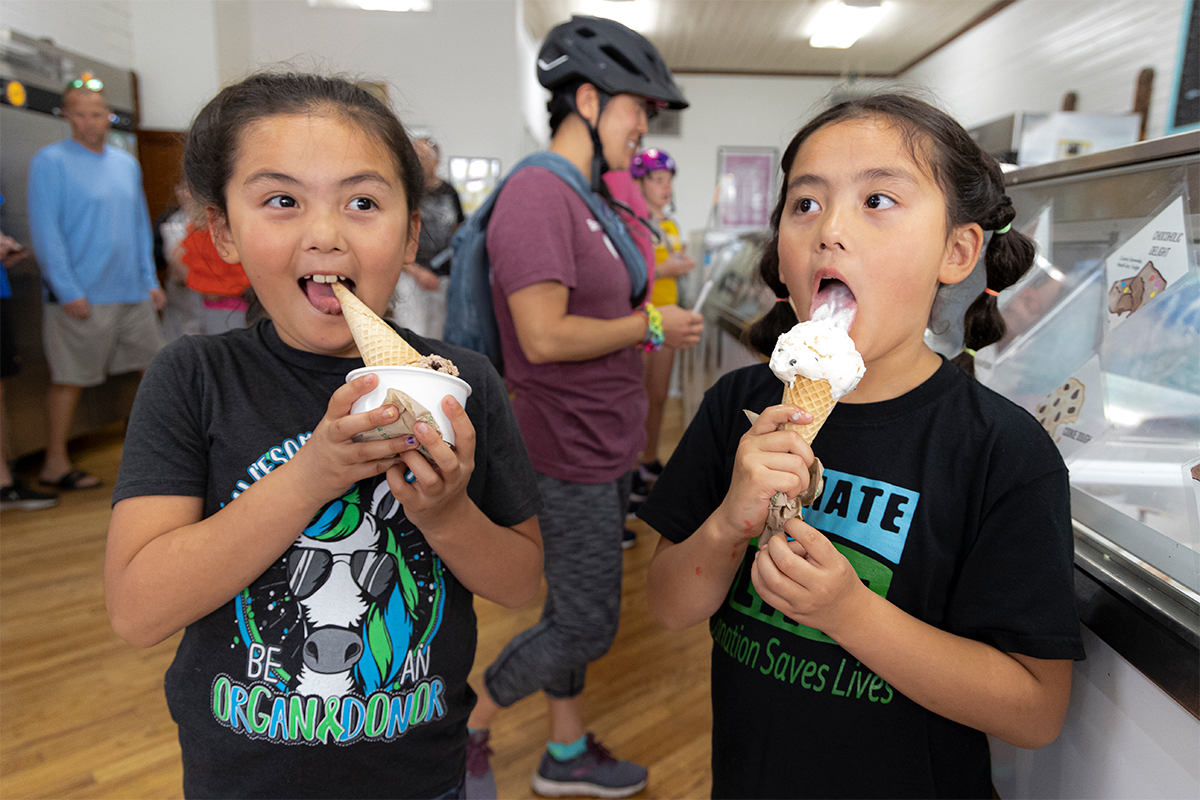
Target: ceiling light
841	24
376	5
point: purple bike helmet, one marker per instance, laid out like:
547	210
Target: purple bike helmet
650	160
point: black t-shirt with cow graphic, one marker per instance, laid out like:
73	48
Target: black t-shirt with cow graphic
949	501
342	670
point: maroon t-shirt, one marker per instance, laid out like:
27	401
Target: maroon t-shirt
583	421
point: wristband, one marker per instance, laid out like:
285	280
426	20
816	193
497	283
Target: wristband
653	340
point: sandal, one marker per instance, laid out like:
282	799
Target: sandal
75	480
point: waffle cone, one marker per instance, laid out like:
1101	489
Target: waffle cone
378	344
816	398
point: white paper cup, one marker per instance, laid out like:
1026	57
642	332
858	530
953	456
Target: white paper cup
426	386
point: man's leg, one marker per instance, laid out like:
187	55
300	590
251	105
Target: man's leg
61	400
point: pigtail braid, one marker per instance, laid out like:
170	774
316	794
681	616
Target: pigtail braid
1008	257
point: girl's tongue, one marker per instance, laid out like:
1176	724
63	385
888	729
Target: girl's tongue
321	297
834	302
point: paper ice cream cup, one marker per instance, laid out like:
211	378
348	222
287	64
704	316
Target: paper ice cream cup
427	386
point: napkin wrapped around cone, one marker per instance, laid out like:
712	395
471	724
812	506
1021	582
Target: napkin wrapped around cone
381	346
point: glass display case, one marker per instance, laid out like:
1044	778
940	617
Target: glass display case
1103	347
737	298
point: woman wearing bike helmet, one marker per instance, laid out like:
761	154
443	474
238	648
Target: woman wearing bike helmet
654	170
572	327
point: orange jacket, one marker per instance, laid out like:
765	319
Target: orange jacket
208	273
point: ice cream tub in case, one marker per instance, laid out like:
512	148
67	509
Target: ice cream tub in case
424	387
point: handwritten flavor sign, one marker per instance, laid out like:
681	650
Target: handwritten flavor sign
1140	270
1073	412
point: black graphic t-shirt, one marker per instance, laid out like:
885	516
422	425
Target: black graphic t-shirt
952	503
342	670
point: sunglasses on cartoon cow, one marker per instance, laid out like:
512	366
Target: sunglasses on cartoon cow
308	569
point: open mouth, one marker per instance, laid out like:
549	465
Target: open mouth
319	290
834	301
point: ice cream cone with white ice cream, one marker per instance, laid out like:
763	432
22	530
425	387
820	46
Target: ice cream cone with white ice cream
818	364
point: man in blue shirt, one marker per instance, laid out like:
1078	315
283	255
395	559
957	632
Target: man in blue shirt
91	233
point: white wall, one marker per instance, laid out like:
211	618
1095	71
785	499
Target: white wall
1029	55
731	111
452	70
536	120
232	21
94	28
175	57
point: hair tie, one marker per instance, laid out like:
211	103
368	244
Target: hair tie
991	291
1003	230
969	351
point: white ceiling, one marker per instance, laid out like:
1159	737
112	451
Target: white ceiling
768	36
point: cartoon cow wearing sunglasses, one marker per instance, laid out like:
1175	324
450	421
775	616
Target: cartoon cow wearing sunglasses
356	594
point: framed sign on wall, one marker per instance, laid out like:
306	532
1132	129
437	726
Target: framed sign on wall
745	184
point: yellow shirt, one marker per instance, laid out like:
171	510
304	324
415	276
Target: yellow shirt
666	291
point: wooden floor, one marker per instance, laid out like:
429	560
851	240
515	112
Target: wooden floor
82	714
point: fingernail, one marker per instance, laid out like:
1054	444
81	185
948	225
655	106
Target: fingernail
411	440
453	402
390	413
409	477
421	427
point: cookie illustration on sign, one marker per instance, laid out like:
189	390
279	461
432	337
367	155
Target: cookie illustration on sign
1061	406
1128	295
1152	281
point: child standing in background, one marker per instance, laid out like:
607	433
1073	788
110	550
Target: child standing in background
654	171
926	598
325	584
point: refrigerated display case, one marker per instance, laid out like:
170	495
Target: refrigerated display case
737	298
1108	325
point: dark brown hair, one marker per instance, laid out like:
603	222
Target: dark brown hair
213	140
562	103
972	184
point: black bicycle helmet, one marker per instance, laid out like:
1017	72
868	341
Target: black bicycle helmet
608	55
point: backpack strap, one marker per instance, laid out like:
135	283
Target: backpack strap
470	313
614	227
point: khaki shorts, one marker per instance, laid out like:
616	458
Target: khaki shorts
116	338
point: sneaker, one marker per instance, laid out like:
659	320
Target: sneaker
651	471
18	496
481	783
628	539
595	773
638	488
